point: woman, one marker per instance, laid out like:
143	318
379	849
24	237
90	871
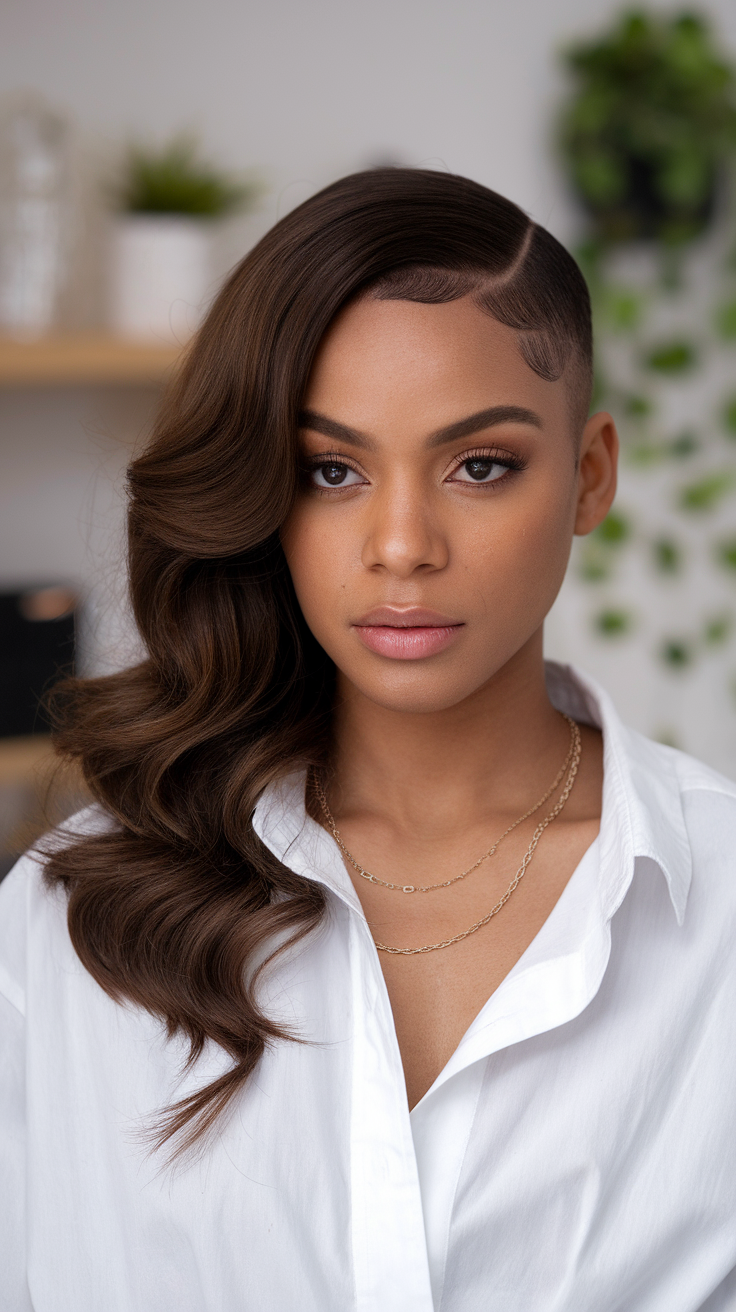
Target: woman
389	972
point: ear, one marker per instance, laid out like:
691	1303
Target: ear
597	466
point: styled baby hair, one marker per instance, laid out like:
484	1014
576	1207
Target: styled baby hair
173	899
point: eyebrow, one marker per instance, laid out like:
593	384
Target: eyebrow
495	415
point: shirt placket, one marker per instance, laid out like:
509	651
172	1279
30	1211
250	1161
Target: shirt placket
389	1245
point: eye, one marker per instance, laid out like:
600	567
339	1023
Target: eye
480	469
334	474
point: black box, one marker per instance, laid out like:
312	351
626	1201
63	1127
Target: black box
37	630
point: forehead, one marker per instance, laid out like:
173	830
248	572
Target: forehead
425	365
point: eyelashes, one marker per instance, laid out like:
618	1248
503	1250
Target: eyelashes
484	467
481	467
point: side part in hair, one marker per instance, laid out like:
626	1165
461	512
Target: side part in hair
551	315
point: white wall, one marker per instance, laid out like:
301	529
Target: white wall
309	89
304	90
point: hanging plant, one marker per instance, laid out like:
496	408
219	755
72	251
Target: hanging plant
649	140
650	128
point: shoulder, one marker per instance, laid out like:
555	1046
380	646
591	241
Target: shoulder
29	909
696	777
709	809
700	788
666	783
692	820
665	806
686	773
654	770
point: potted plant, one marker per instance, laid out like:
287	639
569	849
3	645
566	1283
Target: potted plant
650	128
160	268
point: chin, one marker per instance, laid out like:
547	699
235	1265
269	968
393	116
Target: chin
419	693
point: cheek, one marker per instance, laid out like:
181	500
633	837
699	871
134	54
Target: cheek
315	550
520	552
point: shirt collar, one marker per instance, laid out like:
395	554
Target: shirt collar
282	822
642	807
642	803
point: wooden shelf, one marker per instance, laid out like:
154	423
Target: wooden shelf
84	358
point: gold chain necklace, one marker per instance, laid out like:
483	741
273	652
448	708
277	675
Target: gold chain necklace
572	759
446	883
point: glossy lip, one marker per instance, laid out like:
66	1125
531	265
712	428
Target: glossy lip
406	635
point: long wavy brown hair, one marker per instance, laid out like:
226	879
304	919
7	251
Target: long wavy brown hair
169	902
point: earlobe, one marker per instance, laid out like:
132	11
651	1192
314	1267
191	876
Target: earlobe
597	470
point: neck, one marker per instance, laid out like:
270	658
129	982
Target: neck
489	753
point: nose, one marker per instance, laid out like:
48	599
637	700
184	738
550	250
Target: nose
404	535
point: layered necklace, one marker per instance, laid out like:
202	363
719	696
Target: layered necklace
568	771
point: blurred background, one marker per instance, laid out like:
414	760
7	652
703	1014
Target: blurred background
145	147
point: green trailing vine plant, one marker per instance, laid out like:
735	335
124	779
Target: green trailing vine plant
648	140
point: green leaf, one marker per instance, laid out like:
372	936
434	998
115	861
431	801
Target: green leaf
623	311
675	357
717	630
726	321
613	623
667	556
726	554
705	494
637	406
685	178
645	454
613	530
594	566
677	653
600	177
729	416
683	446
588	255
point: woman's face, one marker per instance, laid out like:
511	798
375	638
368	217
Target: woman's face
440	494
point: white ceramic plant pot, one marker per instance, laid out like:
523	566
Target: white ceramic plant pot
160	276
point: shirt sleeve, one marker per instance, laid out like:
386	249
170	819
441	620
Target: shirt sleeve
15	1296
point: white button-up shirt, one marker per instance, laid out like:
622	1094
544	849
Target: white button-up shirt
576	1154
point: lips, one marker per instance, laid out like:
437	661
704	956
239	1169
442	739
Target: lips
406	635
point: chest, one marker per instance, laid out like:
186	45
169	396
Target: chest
436	994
